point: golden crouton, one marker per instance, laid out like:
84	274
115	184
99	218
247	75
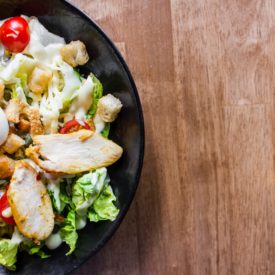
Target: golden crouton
13	143
7	167
24	125
14	109
36	127
108	108
75	53
39	80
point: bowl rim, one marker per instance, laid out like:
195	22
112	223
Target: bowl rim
141	127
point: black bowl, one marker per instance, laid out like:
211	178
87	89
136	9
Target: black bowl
62	18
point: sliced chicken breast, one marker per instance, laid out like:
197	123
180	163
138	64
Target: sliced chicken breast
73	153
30	203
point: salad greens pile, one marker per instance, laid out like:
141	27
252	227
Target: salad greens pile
76	198
89	196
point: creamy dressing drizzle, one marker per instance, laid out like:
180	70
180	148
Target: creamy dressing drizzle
54	241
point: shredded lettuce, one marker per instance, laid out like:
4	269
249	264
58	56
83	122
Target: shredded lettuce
71	81
18	92
97	94
18	65
8	252
55	101
104	208
68	231
81	100
87	188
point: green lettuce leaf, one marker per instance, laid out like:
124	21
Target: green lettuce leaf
68	231
17	91
104	208
18	65
54	192
8	252
87	188
23	80
106	130
64	197
97	94
59	197
32	249
77	73
56	196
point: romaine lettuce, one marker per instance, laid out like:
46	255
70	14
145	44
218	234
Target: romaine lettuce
58	195
68	231
9	249
8	252
106	130
33	249
104	208
97	94
87	188
54	192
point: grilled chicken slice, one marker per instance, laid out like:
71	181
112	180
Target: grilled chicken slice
30	203
73	153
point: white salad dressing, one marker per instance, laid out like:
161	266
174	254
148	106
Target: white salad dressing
81	222
54	241
99	124
17	237
82	100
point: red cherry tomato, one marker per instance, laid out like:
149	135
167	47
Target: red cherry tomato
72	126
4	204
15	34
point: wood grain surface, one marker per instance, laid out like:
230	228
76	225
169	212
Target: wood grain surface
205	74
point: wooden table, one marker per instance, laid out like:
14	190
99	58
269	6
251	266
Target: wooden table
205	74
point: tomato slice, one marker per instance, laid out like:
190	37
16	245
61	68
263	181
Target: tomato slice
15	34
4	204
72	126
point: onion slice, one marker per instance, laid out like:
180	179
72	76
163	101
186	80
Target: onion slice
4	127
